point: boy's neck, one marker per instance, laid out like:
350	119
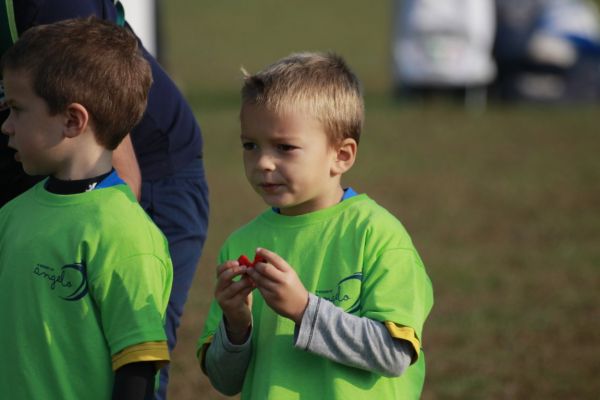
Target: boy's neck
59	186
85	165
346	194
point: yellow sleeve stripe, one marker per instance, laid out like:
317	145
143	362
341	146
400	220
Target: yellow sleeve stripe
202	353
149	351
405	333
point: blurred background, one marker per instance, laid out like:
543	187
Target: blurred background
483	140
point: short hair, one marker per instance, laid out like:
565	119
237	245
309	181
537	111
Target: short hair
88	61
320	84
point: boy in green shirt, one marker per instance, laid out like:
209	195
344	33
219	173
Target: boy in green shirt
342	293
85	275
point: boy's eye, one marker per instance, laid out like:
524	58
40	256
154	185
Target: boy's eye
249	145
286	147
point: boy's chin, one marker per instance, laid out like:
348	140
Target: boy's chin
273	200
279	206
285	206
33	171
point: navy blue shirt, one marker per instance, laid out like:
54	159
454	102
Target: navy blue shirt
166	139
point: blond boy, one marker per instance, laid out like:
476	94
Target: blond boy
342	294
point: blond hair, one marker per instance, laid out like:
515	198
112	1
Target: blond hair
320	84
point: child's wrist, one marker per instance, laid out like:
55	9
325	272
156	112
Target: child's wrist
237	334
298	318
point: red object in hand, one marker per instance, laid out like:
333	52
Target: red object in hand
243	260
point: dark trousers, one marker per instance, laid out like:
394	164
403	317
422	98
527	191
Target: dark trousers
178	204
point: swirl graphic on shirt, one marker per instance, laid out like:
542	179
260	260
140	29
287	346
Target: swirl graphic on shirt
345	294
70	282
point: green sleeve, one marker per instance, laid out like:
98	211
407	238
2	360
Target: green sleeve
132	298
397	289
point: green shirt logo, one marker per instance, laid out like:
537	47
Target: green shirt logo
70	282
346	293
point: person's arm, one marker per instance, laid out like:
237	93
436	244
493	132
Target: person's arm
135	369
135	381
226	363
328	331
325	329
125	162
226	359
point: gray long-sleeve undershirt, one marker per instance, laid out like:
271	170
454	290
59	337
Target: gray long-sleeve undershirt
225	363
325	330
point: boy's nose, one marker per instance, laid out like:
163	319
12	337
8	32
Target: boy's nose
7	127
265	162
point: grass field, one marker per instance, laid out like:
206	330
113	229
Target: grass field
504	206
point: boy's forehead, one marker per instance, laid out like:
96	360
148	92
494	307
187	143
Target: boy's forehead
17	85
253	114
291	124
16	77
258	112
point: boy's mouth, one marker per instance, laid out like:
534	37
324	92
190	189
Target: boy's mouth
16	155
269	187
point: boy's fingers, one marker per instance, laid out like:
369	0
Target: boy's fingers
229	269
234	289
246	291
273	258
225	266
262	279
239	288
225	278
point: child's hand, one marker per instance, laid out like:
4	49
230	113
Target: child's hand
235	299
279	285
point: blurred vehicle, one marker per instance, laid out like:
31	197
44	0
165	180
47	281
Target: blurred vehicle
547	51
443	47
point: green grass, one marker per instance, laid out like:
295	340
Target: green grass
504	206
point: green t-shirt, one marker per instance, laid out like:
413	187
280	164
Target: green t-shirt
82	277
355	254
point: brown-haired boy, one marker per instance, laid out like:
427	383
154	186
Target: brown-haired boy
85	275
342	292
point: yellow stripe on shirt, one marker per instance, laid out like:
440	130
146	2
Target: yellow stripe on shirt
404	333
143	352
202	353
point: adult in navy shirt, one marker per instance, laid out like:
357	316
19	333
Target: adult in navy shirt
161	159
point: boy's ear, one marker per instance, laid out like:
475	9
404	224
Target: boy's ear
345	156
76	120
